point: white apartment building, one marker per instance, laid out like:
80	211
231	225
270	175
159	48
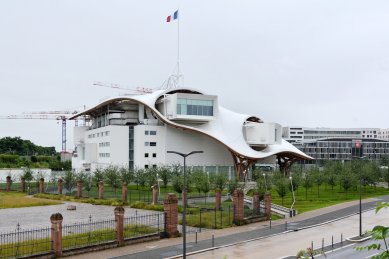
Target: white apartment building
137	132
295	134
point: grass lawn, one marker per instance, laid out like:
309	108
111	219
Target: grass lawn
326	196
19	200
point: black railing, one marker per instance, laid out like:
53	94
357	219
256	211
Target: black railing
88	233
142	225
25	243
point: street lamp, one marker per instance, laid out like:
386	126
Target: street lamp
294	199
185	198
360	196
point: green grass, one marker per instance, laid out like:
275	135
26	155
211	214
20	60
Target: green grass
61	197
19	200
43	245
326	197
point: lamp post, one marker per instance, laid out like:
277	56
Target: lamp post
360	196
294	199
185	198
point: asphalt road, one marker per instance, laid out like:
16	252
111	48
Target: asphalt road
170	251
350	251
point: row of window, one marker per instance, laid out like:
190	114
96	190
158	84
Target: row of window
150	132
104	144
99	134
151	144
104	155
332	132
154	155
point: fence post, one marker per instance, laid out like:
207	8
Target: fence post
23	183
79	189
42	185
124	192
8	184
59	186
56	234
267	202
238	206
119	219
200	219
155	194
170	206
101	190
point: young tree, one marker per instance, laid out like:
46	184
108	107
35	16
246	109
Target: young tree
28	176
98	177
219	181
126	175
306	182
111	175
318	178
165	175
346	180
205	187
198	180
86	179
151	176
282	187
69	181
139	178
385	175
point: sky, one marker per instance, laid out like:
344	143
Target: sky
314	63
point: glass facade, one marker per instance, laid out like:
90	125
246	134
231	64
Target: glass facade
194	107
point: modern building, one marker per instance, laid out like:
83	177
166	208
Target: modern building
137	131
339	144
344	149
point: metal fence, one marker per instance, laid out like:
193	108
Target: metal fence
88	233
141	225
25	243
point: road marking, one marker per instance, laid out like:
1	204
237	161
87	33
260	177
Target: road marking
370	256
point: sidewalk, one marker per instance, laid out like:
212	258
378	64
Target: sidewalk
231	235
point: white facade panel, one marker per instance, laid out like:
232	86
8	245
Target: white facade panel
186	141
149	145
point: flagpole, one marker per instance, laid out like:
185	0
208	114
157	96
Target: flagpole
178	45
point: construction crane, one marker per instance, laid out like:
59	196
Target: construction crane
46	115
137	90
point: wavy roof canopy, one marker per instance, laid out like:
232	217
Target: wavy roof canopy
226	128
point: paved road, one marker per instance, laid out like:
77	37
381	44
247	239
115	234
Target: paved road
167	248
350	252
288	244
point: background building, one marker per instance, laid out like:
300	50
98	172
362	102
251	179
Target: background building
338	144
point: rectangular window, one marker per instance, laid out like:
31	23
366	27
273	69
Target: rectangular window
146	132
154	154
153	132
194	107
153	144
146	154
147	144
146	166
154	166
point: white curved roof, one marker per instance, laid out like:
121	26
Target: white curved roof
226	128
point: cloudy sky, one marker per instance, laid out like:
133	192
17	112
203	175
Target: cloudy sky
318	63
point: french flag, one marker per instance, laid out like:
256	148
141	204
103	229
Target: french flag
175	17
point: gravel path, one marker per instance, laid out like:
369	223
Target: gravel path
39	216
